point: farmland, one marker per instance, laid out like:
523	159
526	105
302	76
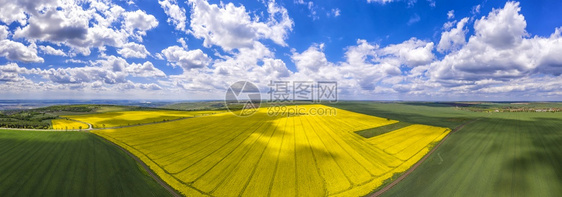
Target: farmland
127	118
504	154
292	155
64	124
342	154
43	163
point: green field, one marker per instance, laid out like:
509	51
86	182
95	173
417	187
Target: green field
429	114
43	163
506	154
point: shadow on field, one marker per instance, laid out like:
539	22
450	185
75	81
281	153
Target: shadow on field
541	157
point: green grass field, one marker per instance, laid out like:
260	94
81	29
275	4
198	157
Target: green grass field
443	116
43	163
506	154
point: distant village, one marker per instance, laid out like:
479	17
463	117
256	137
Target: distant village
528	110
513	107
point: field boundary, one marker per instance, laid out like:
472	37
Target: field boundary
403	176
146	168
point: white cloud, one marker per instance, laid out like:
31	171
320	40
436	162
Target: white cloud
19	52
176	15
311	60
335	12
87	74
97	78
431	3
4	32
74	61
451	14
499	51
51	51
414	19
78	26
274	69
139	20
454	38
15	11
187	60
413	52
229	26
133	50
476	9
502	28
12	71
146	69
70	24
111	70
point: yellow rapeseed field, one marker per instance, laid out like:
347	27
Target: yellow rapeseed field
262	155
63	124
126	118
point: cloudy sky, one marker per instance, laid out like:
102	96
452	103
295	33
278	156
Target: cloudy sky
374	49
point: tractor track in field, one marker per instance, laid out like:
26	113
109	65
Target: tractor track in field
403	176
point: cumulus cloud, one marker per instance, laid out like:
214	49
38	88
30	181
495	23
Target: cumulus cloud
140	21
87	74
502	28
454	38
18	52
368	68
310	60
111	70
4	32
15	11
12	71
176	15
146	69
98	77
77	26
133	50
186	59
51	51
413	52
54	25
230	26
500	57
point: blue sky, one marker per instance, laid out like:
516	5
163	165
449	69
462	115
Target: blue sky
374	49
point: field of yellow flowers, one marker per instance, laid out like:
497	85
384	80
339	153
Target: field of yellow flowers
281	155
64	124
128	118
